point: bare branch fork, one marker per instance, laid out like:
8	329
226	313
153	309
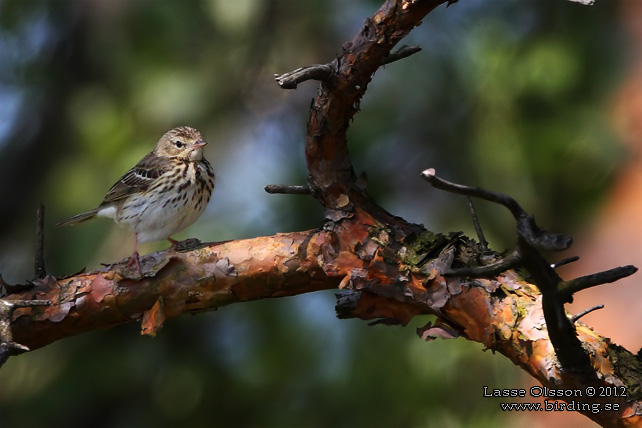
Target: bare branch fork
324	72
555	292
389	270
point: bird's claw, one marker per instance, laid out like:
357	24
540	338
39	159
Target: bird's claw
134	264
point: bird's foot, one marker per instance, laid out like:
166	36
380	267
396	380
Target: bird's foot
134	263
186	245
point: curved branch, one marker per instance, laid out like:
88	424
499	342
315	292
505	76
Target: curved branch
398	268
570	287
338	97
185	282
291	80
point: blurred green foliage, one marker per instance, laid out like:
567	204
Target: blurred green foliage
510	95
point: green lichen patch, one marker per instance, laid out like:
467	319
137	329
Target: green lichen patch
419	249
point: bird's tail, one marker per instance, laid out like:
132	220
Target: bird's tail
79	218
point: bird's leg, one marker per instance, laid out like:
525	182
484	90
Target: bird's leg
134	259
174	243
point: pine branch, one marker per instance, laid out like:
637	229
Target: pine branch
392	269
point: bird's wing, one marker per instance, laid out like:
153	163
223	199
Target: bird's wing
138	179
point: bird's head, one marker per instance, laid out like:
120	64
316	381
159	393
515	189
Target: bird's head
183	142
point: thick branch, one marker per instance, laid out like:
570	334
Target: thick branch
202	279
8	346
337	101
398	280
399	269
331	172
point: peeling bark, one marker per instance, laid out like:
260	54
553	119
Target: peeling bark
174	283
390	269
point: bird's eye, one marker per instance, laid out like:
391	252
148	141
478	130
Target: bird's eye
178	144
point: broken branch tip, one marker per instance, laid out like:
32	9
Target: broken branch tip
429	173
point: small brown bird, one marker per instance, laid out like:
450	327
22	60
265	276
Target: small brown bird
163	194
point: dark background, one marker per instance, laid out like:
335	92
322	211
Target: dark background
515	96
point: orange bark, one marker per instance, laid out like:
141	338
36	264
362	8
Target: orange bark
400	268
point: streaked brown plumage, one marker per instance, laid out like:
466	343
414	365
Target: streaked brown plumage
162	194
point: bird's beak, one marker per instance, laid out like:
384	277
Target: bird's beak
197	145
